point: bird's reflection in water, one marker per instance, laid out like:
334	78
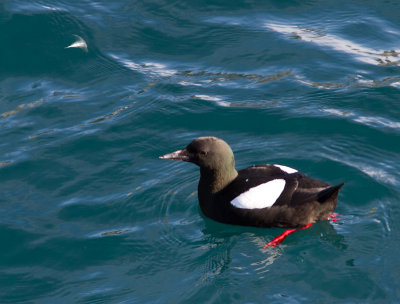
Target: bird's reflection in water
228	247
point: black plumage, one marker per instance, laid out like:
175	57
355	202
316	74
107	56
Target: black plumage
301	201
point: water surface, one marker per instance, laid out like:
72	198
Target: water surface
89	214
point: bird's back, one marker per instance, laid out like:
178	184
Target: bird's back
271	196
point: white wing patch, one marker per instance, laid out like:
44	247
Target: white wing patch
262	196
286	169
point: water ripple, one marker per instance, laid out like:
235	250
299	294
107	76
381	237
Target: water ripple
360	52
371	121
90	214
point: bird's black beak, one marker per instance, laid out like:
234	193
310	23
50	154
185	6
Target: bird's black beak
182	155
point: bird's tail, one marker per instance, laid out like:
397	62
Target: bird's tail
329	193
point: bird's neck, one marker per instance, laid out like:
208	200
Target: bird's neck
214	181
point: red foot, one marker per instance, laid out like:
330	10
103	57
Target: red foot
279	239
333	217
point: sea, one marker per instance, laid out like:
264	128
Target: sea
93	92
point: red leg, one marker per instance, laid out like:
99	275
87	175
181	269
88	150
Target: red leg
333	217
279	239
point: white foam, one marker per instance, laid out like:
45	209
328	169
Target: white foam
262	196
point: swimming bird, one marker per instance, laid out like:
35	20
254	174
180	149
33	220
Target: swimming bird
267	195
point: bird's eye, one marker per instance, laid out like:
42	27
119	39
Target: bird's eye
203	153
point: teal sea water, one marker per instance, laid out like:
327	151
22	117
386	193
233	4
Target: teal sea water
89	214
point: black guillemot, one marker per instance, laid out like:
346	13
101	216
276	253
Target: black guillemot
260	195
